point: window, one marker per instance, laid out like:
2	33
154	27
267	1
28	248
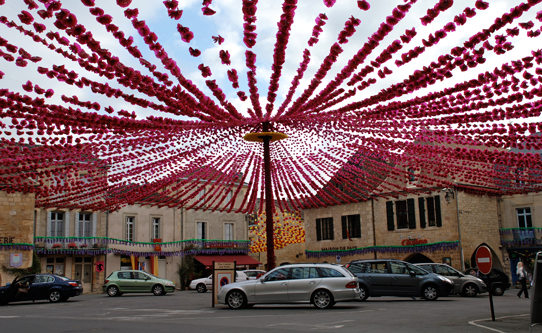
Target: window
431	219
156	228
324	228
228	231
228	197
402	214
304	273
278	275
404	210
524	217
202	230
411	175
445	271
329	272
200	194
378	268
398	268
57	224
85	225
130	225
363	267
351	226
434	218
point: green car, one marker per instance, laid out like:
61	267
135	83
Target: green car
120	282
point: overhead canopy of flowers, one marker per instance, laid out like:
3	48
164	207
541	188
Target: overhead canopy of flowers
105	103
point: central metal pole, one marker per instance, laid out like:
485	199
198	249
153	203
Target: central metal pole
268	200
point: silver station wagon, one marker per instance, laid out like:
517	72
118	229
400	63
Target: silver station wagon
319	284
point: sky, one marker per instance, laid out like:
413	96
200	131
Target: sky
315	152
228	23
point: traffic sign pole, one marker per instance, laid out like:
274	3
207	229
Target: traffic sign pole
484	264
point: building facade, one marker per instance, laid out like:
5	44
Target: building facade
440	226
521	230
16	231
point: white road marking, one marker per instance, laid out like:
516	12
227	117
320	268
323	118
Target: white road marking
7	317
473	322
315	326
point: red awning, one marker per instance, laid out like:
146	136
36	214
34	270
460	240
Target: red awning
239	259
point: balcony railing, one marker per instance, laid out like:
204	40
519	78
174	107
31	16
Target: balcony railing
524	234
512	237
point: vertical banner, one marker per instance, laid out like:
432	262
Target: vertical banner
536	293
223	274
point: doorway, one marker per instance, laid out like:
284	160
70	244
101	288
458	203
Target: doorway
83	272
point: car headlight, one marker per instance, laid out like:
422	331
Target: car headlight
170	284
445	279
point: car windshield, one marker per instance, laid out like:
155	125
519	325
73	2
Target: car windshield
417	270
61	278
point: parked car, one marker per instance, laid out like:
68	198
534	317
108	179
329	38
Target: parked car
204	284
465	285
55	288
499	279
128	281
319	284
388	277
253	274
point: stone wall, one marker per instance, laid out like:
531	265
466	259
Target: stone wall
16	226
477	215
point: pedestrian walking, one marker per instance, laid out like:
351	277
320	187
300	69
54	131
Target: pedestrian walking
522	274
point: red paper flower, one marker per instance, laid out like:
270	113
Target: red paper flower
124	3
218	39
208	11
363	5
194	52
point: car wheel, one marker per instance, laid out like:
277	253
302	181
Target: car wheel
236	299
112	291
55	296
363	293
430	293
322	299
157	290
498	290
201	288
470	290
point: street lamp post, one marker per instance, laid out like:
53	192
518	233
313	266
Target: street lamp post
266	137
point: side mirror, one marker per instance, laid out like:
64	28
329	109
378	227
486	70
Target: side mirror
8	284
412	273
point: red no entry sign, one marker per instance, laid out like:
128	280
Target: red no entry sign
483	260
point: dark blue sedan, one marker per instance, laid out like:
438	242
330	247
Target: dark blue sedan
50	287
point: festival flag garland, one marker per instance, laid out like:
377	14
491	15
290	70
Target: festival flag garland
459	135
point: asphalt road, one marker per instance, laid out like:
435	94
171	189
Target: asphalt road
188	311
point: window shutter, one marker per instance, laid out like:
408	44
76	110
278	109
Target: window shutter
411	214
356	226
389	212
94	219
49	231
345	226
318	229
332	228
67	223
76	234
437	211
421	205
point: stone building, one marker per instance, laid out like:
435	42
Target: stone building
412	228
16	231
420	224
521	230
